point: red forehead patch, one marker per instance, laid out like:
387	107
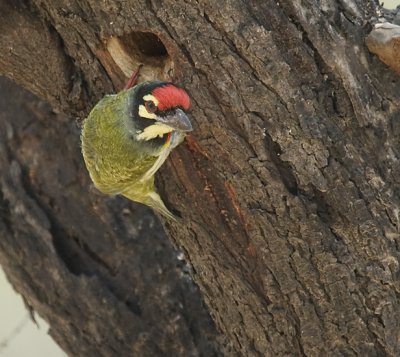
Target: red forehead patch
170	96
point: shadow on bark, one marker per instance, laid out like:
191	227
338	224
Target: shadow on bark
98	269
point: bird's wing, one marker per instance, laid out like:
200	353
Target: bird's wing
160	160
175	139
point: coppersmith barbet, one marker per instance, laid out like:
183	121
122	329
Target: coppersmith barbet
128	136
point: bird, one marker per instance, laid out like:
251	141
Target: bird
128	136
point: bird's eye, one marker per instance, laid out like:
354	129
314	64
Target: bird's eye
150	106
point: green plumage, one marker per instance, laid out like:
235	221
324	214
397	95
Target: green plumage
118	163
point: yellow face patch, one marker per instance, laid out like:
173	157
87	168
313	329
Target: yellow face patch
153	131
142	109
145	114
151	98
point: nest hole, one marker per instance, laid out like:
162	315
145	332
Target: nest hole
146	44
124	54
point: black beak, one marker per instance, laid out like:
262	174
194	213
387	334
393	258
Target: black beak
178	120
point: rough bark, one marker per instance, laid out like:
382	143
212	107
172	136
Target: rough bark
288	187
99	270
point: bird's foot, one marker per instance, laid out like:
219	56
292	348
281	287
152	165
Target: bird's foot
133	80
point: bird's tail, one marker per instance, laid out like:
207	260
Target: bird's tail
151	199
154	200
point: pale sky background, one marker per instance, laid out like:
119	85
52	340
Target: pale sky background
24	338
391	4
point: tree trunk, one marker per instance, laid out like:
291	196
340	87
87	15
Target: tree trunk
287	188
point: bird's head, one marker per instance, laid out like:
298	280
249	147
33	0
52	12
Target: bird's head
158	109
